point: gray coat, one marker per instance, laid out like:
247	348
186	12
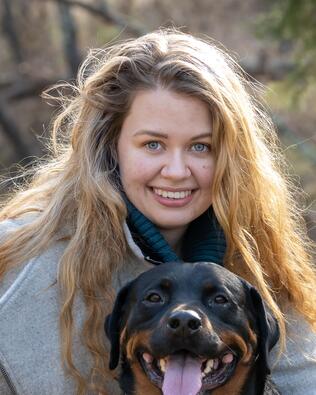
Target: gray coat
30	359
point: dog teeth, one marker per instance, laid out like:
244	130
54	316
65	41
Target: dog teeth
209	366
162	364
147	357
228	358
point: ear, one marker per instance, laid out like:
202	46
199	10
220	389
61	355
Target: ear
268	330
114	323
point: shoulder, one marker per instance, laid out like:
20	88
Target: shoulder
11	225
6	228
43	267
295	371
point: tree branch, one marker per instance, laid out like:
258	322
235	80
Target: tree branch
105	14
23	88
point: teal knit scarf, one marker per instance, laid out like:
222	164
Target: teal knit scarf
204	239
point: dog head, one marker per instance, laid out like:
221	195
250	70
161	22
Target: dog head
184	328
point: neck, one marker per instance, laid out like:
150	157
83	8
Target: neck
174	237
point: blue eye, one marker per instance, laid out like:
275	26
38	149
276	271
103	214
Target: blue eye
199	147
153	145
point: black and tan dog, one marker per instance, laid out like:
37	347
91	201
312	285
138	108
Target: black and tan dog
188	329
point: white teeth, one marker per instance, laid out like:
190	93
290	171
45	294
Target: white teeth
172	195
162	364
211	364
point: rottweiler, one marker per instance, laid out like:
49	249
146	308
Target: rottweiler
191	329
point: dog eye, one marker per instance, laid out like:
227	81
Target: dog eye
220	299
153	298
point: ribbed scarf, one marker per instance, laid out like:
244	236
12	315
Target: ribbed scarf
204	239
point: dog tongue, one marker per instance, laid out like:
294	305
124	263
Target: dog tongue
183	376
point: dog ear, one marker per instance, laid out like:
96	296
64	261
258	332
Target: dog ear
267	337
113	325
267	325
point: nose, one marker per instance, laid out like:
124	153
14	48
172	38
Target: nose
184	322
176	167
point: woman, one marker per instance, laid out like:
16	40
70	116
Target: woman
160	153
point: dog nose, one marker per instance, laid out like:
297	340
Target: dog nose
185	322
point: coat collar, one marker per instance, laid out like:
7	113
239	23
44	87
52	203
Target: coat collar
203	241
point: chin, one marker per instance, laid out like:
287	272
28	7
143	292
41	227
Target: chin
169	220
171	225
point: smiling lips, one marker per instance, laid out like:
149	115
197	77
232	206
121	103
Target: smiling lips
173	198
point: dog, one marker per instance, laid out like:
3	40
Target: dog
191	329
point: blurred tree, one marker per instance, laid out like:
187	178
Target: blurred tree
9	30
103	11
70	44
293	24
40	46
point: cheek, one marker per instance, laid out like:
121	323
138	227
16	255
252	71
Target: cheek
135	171
205	174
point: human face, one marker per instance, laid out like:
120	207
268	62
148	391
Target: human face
165	158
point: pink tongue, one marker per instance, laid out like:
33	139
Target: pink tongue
182	376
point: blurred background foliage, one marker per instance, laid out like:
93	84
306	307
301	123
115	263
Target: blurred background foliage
44	41
293	24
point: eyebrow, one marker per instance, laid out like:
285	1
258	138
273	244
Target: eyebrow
164	135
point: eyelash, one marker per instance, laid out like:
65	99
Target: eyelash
206	147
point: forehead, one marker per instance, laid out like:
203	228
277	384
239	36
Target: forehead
167	112
188	276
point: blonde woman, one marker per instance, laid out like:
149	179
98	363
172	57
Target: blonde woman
160	152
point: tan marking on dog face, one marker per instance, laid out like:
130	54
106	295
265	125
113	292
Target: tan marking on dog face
123	336
143	385
247	349
207	326
253	343
137	340
237	381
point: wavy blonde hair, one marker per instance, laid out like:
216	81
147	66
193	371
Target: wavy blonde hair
76	189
